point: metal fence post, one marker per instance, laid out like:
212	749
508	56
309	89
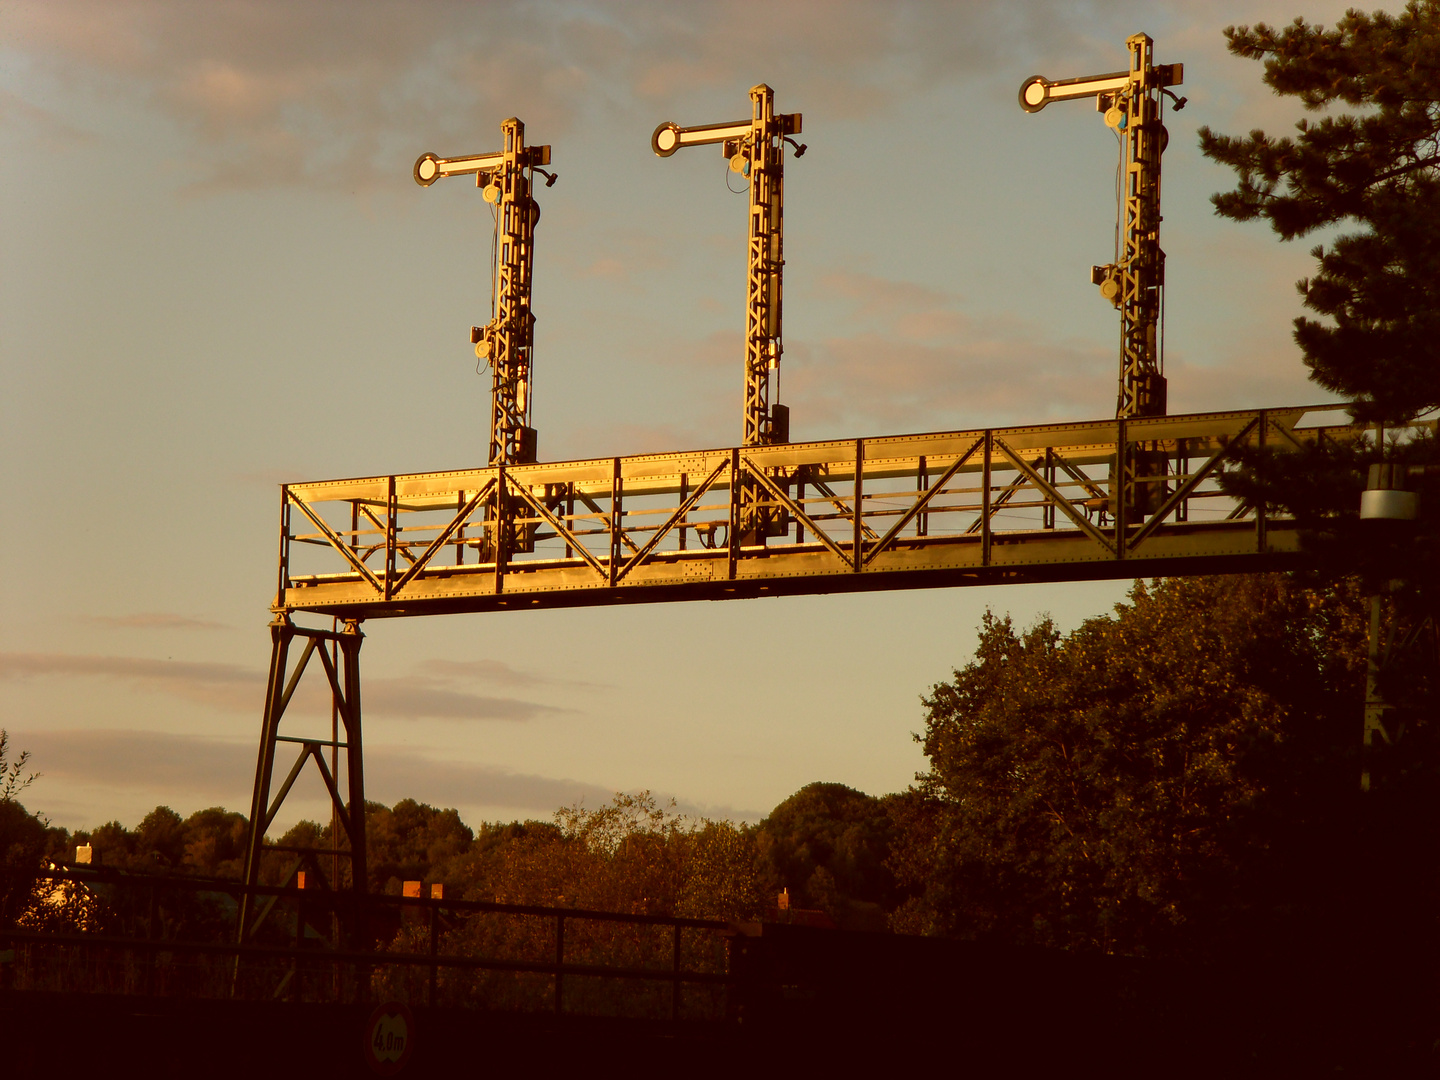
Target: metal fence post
559	963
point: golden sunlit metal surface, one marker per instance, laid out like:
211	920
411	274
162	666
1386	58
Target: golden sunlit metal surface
756	150
1042	503
505	343
1135	282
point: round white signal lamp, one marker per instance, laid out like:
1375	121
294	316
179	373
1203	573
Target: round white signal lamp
666	140
427	170
1034	93
491	192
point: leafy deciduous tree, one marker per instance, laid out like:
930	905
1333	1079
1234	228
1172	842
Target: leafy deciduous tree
1176	780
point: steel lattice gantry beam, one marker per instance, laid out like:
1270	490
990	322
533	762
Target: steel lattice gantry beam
1043	503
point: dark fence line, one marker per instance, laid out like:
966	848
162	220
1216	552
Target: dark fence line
124	933
341	898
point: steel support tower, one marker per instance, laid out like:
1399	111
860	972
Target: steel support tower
339	653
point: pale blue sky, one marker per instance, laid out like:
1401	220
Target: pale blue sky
216	273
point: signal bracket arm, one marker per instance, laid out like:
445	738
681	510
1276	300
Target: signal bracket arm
430	167
1037	91
670	137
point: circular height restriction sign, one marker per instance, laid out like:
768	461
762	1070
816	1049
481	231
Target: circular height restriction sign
389	1038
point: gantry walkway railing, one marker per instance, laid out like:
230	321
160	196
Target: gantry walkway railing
1110	498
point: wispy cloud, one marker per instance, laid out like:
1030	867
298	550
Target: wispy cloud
184	764
180	767
270	92
219	685
414	697
495	672
156	620
234	688
905	356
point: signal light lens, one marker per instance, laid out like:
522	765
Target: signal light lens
1034	93
427	170
666	140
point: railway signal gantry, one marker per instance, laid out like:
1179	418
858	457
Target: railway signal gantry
1137	495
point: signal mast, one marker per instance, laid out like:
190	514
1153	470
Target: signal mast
506	341
756	150
1131	103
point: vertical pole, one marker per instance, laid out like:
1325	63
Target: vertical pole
733	531
460	532
764	155
1262	540
1182	473
559	963
1124	476
391	536
295	976
334	766
1048	512
152	958
512	332
283	581
922	483
434	945
1141	268
281	633
617	494
675	976
504	527
762	309
800	502
857	543
985	500
569	515
1374	704
684	494
350	641
335	826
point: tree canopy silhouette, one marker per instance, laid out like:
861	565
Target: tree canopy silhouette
1177	780
1377	168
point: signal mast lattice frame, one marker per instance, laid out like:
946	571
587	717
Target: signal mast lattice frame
1130	101
756	150
506	342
